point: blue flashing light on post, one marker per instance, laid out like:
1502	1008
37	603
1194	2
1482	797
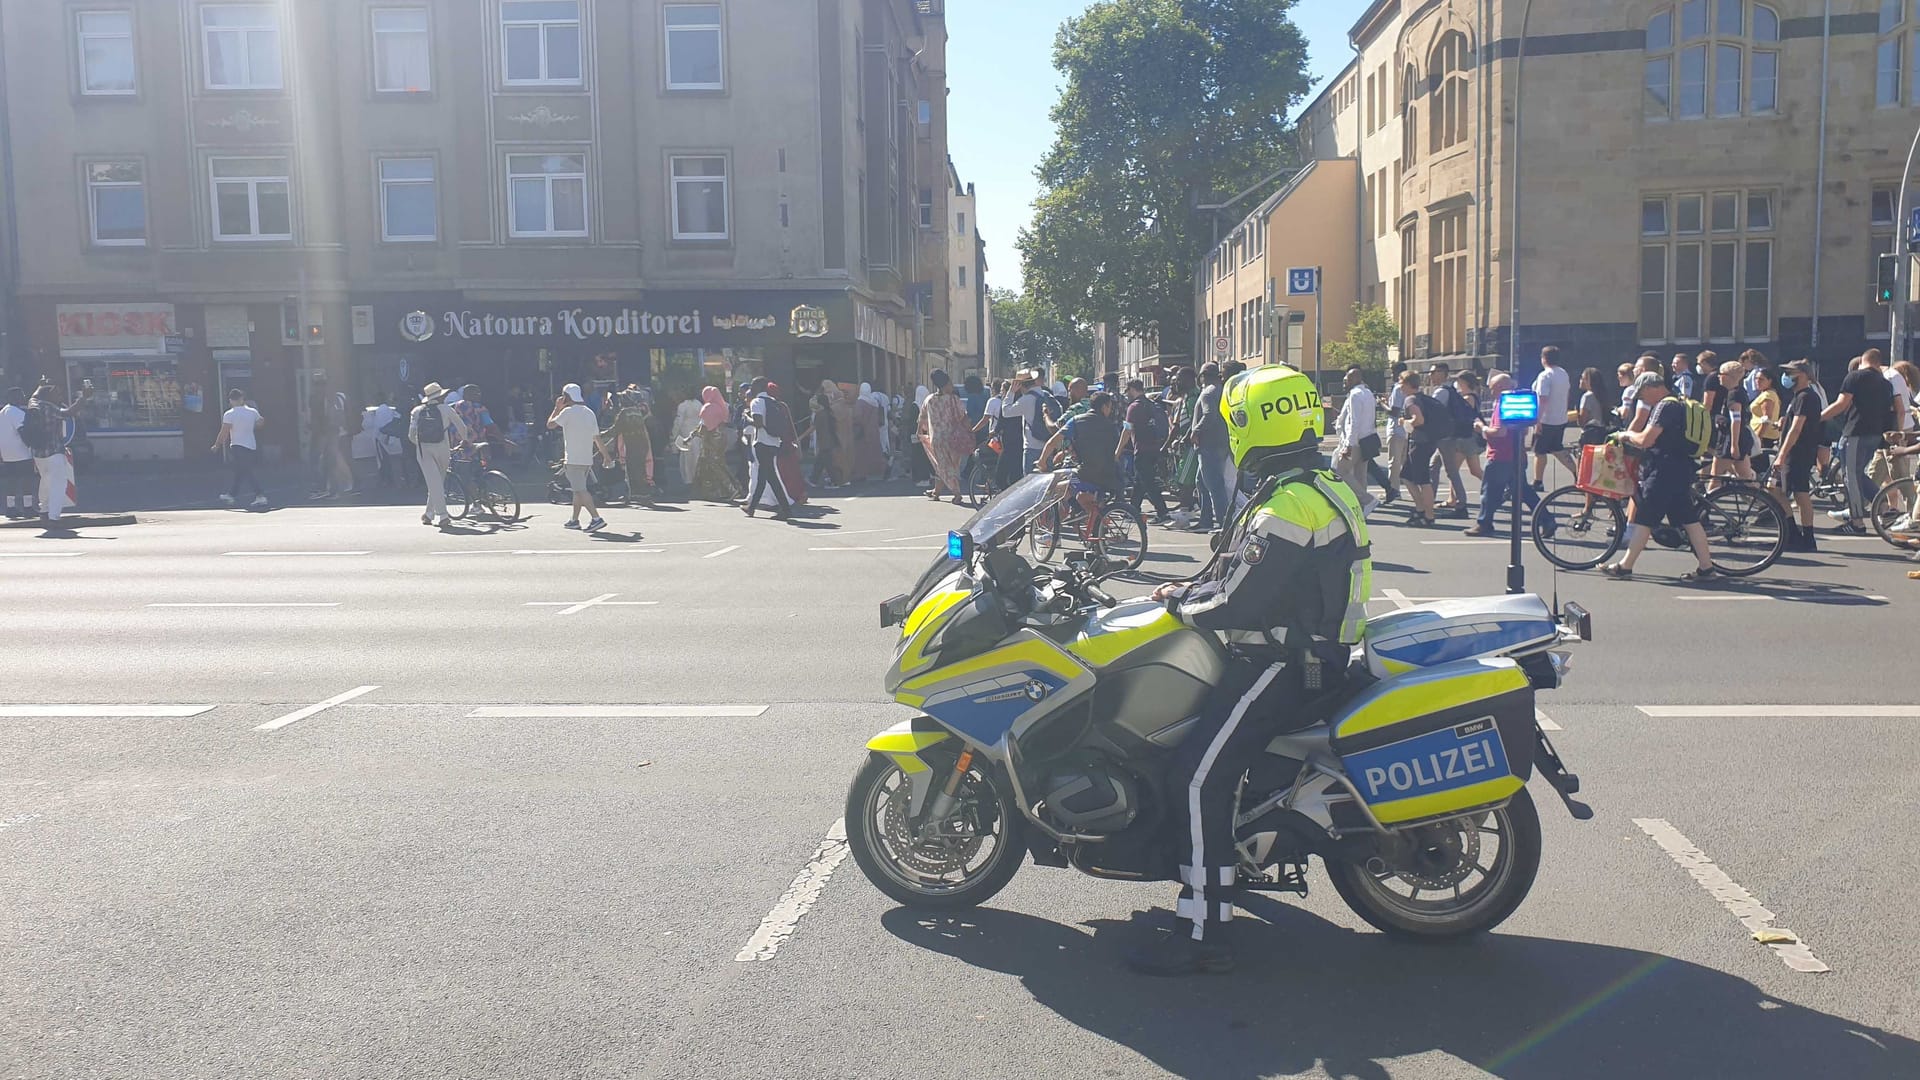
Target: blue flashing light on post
1519	407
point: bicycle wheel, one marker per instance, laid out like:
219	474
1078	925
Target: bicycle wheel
1830	487
1120	541
1746	529
501	500
1043	536
459	499
1578	531
1895	506
977	488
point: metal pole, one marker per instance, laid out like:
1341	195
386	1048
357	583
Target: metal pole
1513	240
1319	292
1516	573
1901	258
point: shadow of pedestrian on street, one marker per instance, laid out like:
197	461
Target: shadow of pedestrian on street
1310	997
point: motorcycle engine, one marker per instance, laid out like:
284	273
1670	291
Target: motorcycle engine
1089	795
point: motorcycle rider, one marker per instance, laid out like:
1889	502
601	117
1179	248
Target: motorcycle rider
1288	592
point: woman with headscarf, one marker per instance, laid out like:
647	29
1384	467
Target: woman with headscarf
792	476
946	435
826	442
711	480
842	410
686	421
869	459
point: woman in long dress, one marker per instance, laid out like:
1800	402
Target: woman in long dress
946	435
686	421
868	460
712	481
842	411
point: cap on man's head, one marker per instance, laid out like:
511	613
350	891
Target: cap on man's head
1804	367
572	390
1648	379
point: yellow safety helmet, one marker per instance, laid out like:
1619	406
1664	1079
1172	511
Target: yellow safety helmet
1273	407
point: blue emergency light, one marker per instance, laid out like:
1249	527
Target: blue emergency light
959	546
1519	407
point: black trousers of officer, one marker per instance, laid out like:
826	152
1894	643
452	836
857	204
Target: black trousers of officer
766	477
1254	701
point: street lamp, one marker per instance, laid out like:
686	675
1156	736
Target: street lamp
1513	238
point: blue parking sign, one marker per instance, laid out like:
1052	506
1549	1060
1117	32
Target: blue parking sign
1303	281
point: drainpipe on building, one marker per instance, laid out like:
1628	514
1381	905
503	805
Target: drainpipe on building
1820	177
1513	316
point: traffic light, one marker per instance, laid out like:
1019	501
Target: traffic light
290	320
313	334
1889	274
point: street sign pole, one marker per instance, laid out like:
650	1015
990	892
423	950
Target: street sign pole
1318	323
1518	410
1901	259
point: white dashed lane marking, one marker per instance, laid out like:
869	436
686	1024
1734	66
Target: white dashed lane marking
784	919
316	708
41	554
137	712
722	551
1784	943
1782	712
261	605
575	607
611	712
294	554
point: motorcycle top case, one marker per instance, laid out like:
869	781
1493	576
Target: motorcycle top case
1440	633
1439	741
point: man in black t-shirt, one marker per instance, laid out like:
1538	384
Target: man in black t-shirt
1666	480
1095	438
1145	430
1799	451
1866	403
1732	425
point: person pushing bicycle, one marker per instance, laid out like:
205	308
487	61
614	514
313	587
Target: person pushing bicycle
1094	437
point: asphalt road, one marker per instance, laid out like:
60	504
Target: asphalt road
454	874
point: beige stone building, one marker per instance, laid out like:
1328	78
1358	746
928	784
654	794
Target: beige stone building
1692	174
207	194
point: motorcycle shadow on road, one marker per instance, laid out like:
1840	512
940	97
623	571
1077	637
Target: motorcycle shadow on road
1311	997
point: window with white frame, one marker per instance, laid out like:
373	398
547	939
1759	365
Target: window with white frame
699	197
242	46
540	42
1712	58
402	51
116	204
547	195
105	43
409	206
251	199
1706	267
1897	56
695	47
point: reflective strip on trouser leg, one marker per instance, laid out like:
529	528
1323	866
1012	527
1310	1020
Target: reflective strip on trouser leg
1196	908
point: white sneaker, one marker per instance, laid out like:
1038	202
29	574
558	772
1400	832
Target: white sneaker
259	502
226	499
1842	516
1904	525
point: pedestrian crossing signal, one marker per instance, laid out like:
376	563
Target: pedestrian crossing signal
1889	272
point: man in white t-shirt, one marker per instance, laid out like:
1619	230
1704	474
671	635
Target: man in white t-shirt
16	459
238	428
1554	389
1359	438
580	433
1901	467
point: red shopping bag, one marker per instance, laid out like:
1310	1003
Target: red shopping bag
1607	469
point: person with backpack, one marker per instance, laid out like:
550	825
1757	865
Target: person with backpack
44	430
1428	422
1144	434
1461	399
1672	442
16	459
1359	437
428	428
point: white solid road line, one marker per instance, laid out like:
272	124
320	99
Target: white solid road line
1734	597
1398	599
137	712
611	712
319	707
293	554
575	607
1546	723
722	551
1757	919
1462	543
1782	712
781	922
877	549
41	554
922	536
262	605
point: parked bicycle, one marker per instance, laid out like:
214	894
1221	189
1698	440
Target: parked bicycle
1746	527
475	489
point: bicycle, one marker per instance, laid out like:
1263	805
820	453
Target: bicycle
489	492
1115	535
977	481
1746	527
1892	514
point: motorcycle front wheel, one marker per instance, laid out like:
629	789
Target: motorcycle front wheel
958	863
1449	879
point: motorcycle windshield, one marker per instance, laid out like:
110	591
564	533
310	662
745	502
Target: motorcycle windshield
1002	517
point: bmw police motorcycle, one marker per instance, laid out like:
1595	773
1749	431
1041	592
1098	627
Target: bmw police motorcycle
1048	710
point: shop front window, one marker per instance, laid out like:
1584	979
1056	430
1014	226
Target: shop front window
131	394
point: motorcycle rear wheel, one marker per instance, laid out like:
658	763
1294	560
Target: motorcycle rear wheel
1369	888
913	873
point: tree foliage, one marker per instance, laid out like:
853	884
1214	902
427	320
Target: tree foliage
1369	338
1167	105
1028	332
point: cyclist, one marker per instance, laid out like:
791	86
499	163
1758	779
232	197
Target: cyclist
1666	480
479	427
1094	437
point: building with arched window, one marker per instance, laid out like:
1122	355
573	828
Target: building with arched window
1692	174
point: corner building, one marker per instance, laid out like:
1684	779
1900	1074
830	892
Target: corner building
1678	187
520	193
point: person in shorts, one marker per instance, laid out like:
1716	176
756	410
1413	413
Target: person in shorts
1424	416
1095	438
1666	481
1554	389
1799	454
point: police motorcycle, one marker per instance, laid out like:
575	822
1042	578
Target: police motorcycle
1047	711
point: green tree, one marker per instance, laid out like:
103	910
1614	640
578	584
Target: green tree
1372	333
1030	333
1167	105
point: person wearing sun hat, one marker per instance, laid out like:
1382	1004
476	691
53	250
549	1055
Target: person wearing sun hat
434	427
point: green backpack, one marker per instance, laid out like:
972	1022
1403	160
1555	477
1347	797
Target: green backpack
1699	426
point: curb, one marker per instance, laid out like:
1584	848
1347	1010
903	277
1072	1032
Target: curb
72	521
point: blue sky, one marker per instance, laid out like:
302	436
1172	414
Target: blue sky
1000	71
